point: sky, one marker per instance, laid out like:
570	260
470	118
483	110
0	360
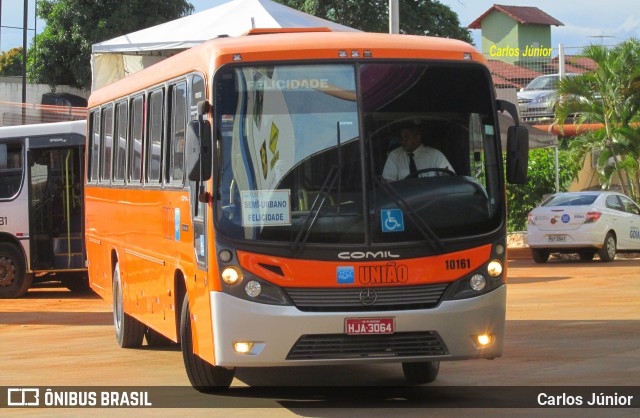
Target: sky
585	22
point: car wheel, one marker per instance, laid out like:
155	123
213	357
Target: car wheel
419	373
608	251
586	255
540	255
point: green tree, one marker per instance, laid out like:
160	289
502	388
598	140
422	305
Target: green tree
11	62
609	95
63	50
417	17
522	198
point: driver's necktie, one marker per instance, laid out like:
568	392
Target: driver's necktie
412	164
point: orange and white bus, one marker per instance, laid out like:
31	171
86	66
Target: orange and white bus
235	204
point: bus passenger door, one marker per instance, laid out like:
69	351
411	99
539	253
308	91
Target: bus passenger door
56	208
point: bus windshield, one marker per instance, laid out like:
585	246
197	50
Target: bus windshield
311	153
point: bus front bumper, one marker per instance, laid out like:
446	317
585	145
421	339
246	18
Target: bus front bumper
272	331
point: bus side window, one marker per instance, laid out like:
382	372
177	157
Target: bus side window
176	139
107	143
136	135
196	95
120	147
153	147
94	148
10	170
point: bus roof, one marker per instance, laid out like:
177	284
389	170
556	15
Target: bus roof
298	46
77	127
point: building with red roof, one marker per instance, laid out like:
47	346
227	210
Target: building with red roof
516	34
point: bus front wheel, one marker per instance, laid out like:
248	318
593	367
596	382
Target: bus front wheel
129	331
422	372
203	376
14	281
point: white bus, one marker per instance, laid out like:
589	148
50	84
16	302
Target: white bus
42	206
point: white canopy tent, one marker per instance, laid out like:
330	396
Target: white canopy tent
118	57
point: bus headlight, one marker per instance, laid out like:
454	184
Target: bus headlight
253	289
481	341
477	282
494	268
231	275
242	347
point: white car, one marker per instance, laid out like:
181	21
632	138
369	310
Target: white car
585	223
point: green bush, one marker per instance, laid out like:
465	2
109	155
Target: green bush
522	198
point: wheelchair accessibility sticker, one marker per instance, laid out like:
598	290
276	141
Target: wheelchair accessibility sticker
392	220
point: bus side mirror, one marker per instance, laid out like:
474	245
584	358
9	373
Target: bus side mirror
199	150
517	154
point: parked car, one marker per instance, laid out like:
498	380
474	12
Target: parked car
586	223
539	98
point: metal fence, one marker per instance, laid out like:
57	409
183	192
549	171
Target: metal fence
511	71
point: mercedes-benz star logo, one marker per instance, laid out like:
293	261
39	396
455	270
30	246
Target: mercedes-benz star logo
368	296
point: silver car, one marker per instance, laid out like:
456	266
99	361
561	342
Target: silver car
539	99
587	223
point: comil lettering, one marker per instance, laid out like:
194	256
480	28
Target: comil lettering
361	255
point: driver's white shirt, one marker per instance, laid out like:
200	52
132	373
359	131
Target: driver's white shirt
397	165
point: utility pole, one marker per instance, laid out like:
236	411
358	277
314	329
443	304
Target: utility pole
394	16
0	25
25	23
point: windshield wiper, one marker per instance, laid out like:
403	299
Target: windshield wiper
335	174
301	239
425	230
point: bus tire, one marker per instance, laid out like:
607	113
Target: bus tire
417	373
129	331
203	376
155	339
14	281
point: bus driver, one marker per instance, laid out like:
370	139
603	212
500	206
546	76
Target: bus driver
412	156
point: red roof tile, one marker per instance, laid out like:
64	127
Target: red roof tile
509	74
521	14
577	64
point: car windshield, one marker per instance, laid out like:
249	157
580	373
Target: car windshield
543	83
570	200
302	150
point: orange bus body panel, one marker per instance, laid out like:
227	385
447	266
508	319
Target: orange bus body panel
143	241
308	273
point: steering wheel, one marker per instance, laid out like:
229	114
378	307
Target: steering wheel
432	169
